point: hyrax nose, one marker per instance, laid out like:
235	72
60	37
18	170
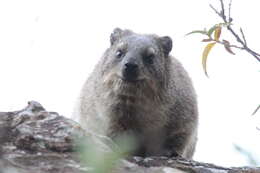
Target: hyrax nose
130	71
131	67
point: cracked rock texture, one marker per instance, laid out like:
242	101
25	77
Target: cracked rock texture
34	140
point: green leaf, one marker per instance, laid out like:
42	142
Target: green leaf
205	54
197	31
211	30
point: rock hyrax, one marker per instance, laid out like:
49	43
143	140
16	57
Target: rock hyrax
137	88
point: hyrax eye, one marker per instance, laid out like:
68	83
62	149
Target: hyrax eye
149	59
149	56
119	53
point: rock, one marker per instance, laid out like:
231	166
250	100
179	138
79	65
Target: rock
38	141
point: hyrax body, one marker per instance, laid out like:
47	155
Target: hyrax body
138	89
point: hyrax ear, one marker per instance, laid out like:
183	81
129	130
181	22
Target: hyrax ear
166	43
115	35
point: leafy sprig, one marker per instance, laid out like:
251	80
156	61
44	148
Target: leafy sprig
216	29
212	37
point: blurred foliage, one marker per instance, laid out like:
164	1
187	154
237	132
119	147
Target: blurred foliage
99	161
252	161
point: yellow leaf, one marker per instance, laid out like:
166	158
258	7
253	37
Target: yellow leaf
205	56
217	33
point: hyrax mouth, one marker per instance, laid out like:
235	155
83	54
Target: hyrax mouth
131	80
127	80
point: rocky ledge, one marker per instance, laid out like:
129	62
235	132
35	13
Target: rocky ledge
34	140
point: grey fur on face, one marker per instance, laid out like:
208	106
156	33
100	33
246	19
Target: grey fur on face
138	89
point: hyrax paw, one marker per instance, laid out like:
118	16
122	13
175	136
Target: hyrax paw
172	154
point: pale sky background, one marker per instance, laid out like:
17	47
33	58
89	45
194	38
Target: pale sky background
48	48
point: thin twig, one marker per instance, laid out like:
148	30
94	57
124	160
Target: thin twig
223	11
223	43
256	110
216	11
241	41
256	53
253	53
236	36
229	11
243	36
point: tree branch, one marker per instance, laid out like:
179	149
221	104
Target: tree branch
242	40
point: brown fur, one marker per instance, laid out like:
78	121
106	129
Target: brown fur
159	109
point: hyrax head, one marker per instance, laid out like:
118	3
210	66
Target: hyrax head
134	58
